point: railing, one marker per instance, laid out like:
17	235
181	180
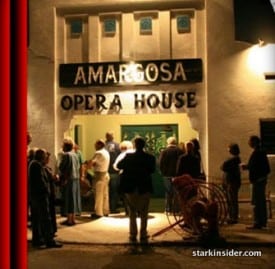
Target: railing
245	195
193	199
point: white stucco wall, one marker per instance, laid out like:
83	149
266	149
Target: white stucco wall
48	47
41	104
133	47
232	97
237	97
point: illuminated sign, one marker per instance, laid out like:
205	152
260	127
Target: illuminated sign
130	73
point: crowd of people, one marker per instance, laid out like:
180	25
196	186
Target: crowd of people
177	160
174	162
122	173
41	200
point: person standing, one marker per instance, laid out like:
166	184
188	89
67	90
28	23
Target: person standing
82	169
69	167
113	148
81	161
232	182
136	184
168	166
258	168
100	164
29	159
189	163
197	153
52	180
125	147
42	229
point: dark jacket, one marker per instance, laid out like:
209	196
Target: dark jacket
258	165
232	172
168	160
188	164
38	180
137	172
113	149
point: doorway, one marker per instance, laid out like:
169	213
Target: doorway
155	128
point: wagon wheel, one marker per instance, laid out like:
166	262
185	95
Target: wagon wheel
217	194
180	210
183	207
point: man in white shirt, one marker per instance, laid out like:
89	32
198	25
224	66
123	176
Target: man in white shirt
100	163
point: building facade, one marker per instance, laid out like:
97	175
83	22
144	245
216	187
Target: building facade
156	67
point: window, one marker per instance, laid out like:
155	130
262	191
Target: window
267	133
109	26
145	25
183	23
76	27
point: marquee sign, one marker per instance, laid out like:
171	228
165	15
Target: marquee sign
130	73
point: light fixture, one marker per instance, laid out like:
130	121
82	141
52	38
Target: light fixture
273	4
261	42
269	76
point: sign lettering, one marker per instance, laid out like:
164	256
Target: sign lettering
99	102
130	73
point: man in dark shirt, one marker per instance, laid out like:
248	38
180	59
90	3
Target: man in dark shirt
168	165
259	168
189	163
136	184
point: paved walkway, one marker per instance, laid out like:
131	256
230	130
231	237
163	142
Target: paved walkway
114	230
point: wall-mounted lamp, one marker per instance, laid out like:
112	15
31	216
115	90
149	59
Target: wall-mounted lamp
261	60
269	76
273	4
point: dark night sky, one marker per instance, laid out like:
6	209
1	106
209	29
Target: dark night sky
254	19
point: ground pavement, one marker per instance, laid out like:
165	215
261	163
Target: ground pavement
114	230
